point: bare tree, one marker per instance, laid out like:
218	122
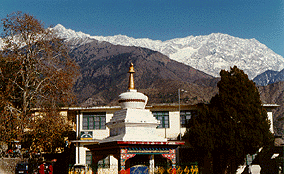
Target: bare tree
35	71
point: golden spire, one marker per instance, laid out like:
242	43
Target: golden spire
131	77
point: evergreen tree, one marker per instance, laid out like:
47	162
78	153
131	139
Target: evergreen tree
233	125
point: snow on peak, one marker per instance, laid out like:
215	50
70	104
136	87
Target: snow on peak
59	27
208	53
77	38
68	33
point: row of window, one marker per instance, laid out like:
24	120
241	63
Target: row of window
97	120
94	120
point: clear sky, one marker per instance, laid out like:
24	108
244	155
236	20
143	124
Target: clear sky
162	19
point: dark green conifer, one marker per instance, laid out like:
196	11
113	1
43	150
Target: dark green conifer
233	125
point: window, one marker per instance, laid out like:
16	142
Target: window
94	120
88	157
163	116
185	116
104	163
250	158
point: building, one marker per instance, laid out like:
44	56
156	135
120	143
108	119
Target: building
132	137
108	127
171	123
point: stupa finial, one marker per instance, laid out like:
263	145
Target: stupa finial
131	77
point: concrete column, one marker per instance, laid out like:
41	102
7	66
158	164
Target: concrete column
270	118
77	153
78	122
152	165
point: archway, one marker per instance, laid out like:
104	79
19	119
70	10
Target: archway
138	164
142	163
161	161
130	154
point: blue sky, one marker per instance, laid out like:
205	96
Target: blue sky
162	19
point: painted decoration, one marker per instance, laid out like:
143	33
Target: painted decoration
139	169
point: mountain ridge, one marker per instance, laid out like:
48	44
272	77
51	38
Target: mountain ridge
208	53
103	74
269	77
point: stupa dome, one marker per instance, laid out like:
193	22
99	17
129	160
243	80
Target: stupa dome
133	99
133	122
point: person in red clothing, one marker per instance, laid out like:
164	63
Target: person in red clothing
41	169
50	169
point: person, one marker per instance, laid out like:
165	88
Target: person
41	169
50	169
10	153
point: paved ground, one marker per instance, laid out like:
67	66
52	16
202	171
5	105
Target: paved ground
8	165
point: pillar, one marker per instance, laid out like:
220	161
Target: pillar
95	160
270	118
123	157
171	156
152	165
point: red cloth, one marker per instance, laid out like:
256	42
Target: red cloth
50	169
123	171
41	169
174	171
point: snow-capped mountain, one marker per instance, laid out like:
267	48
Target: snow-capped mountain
76	38
209	53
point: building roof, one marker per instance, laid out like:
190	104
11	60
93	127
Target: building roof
272	106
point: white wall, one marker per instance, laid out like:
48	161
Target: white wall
81	154
170	133
270	118
174	130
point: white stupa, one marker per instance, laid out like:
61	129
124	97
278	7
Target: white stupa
133	122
